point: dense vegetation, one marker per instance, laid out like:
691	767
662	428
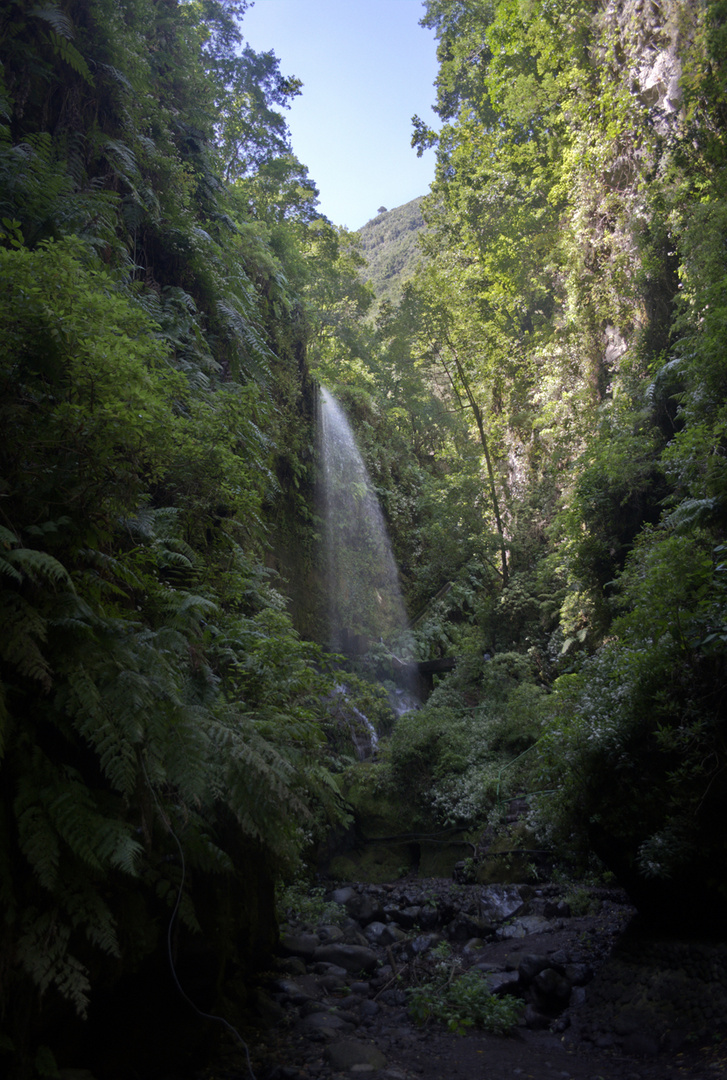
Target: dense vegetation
543	415
390	246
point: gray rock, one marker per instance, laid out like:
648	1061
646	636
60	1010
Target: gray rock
393	997
343	895
329	935
531	964
326	1023
552	988
522	927
503	982
303	945
292	991
349	1054
421	943
353	958
557	909
309	1007
290	965
378	933
463	927
329	969
534	1019
364	908
579	974
428	917
405	917
500	902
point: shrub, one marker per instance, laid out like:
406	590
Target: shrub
462	1002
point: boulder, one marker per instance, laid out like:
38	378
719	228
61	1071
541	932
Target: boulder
302	945
378	933
348	1054
500	902
353	958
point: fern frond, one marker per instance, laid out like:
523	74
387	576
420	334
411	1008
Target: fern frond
70	55
22	628
37	838
42	949
9	570
58	21
39	566
87	911
8	539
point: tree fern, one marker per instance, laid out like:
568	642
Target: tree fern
42	950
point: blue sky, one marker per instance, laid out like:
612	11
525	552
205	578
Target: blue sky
367	67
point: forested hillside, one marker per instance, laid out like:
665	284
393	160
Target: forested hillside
390	245
543	411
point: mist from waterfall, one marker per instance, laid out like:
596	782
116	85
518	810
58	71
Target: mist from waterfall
364	595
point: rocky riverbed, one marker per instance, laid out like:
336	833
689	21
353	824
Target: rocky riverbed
598	998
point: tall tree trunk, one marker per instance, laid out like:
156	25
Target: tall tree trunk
486	448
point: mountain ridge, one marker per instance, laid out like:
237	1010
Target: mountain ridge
390	245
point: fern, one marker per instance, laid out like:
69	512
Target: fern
42	949
71	56
39	566
59	22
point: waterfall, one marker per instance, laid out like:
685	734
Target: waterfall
365	604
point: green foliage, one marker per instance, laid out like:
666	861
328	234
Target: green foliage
156	701
463	1001
390	245
302	902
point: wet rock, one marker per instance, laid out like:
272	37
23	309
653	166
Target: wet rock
353	958
349	1054
500	902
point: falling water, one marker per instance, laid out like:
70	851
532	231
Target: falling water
364	596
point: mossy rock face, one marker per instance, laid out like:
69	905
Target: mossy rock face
373	863
438	859
392	837
376	812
